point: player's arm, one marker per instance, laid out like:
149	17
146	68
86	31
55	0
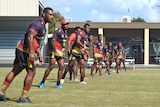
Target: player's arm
114	53
104	53
79	37
124	54
31	35
41	59
79	42
54	45
69	45
94	50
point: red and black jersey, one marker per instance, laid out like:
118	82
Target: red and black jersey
72	38
98	46
38	27
59	36
84	39
108	49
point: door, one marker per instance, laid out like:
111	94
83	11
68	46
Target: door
137	51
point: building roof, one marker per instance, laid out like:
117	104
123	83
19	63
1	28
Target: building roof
118	25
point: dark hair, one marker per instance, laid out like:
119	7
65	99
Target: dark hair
45	10
89	35
77	27
99	35
85	25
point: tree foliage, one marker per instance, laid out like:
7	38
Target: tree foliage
138	19
57	18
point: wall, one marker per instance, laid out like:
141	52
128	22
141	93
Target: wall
19	7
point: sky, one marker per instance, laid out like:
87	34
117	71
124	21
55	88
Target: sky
106	10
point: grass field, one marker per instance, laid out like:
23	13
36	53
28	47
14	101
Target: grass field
134	88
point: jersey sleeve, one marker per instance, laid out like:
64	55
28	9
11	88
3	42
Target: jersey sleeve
57	33
95	42
35	27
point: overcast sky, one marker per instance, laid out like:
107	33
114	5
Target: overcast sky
106	10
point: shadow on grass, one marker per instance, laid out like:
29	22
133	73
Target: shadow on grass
49	80
12	99
35	86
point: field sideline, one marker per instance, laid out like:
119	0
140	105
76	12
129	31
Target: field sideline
134	88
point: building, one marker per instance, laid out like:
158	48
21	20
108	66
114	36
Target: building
140	40
15	17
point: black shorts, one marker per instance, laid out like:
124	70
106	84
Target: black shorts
56	57
21	58
96	61
78	56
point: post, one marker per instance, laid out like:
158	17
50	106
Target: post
100	31
146	46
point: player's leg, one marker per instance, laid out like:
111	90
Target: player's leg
21	58
8	80
82	70
100	67
27	85
65	71
108	67
92	68
47	72
118	66
124	65
60	62
68	68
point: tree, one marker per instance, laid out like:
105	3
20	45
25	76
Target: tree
57	18
138	19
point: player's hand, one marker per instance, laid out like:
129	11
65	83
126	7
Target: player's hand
41	60
56	53
31	57
95	57
88	56
86	48
63	53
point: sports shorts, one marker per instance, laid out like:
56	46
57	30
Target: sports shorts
21	58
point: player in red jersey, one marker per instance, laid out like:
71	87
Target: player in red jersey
80	48
25	55
57	54
72	65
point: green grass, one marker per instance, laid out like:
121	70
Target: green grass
134	88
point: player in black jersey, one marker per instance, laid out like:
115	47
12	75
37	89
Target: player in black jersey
25	55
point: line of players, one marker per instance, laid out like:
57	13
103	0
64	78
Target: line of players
79	43
78	46
107	54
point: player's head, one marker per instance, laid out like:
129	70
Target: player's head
64	24
90	38
110	44
86	28
100	37
119	44
48	14
77	29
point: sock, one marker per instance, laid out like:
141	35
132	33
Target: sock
43	80
4	87
58	82
81	79
25	92
70	75
63	76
